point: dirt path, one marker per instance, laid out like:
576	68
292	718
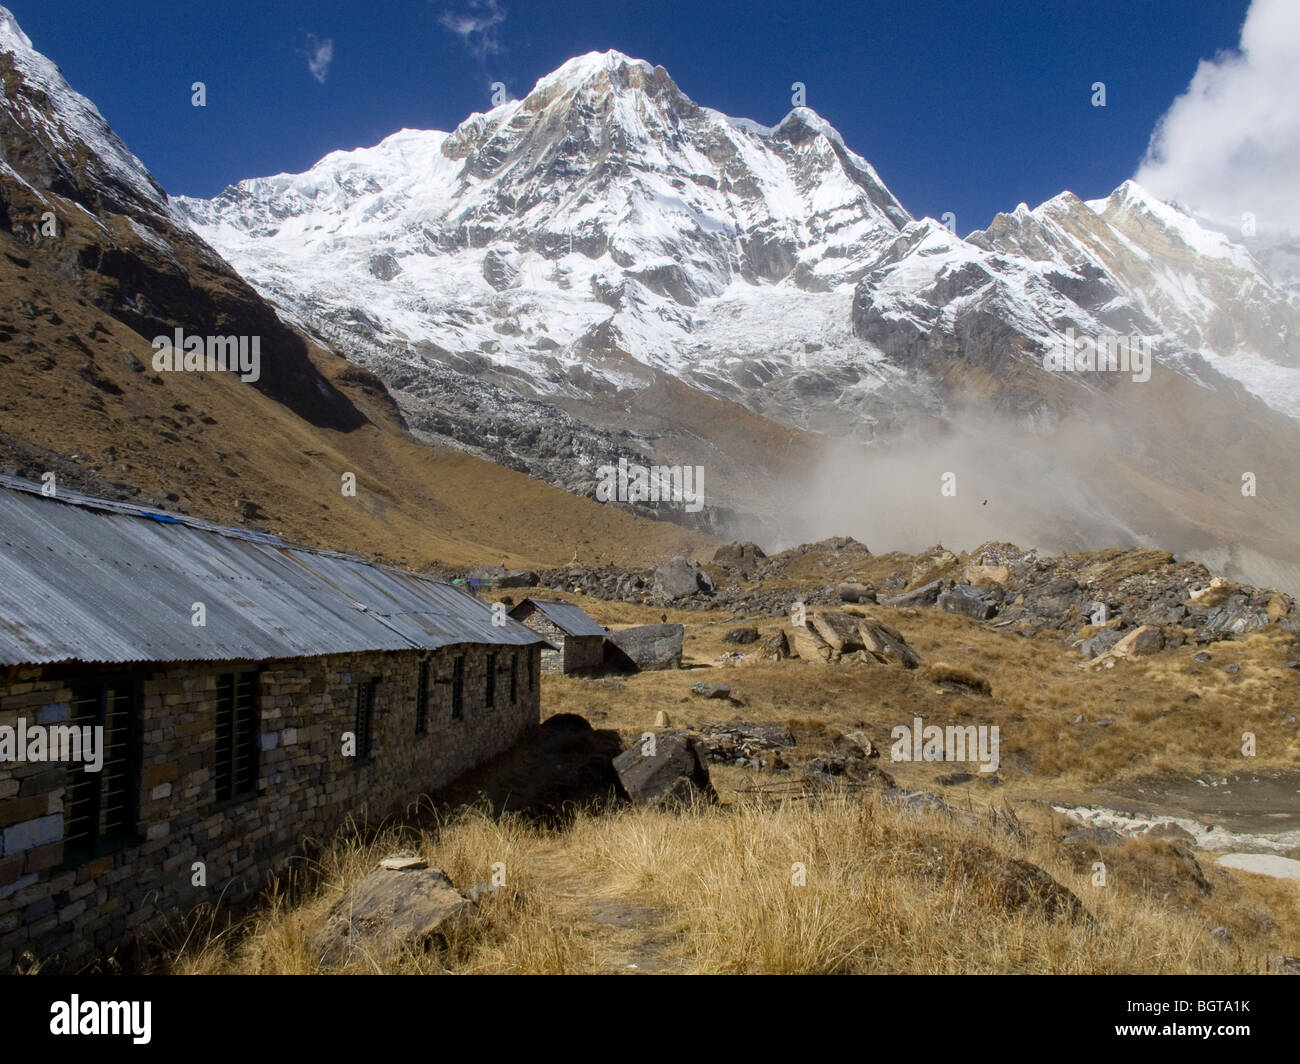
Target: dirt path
628	938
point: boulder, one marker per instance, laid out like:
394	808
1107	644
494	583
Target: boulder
1100	643
1139	642
1234	620
931	567
647	646
987	574
808	645
777	648
391	910
711	690
741	636
838	629
518	578
678	579
853	592
671	768
887	645
968	601
925	595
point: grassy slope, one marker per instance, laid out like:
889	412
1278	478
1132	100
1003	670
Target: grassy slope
212	443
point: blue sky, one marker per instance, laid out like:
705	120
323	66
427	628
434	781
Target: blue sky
963	107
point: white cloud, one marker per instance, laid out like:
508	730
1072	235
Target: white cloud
1230	144
476	26
320	54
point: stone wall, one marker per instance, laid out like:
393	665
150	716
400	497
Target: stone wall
305	785
584	653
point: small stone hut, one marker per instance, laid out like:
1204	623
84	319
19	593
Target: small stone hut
240	694
578	640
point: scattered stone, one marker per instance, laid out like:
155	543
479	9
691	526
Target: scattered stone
953	779
808	645
1100	643
1221	934
887	645
711	690
969	601
926	595
741	636
388	912
661	719
678	579
403	862
1201	656
838	629
1094	836
518	578
1232	669
777	648
673	770
741	558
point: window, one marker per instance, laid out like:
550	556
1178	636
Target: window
365	713
239	729
514	678
100	807
457	688
490	693
422	699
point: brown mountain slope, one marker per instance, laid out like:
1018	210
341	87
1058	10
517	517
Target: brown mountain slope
76	383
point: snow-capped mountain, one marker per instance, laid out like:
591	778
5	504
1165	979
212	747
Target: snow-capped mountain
607	269
605	228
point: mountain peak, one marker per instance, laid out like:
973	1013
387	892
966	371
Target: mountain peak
11	33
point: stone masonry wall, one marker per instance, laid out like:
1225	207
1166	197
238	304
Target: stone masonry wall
306	786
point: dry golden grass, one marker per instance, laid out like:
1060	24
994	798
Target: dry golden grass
711	890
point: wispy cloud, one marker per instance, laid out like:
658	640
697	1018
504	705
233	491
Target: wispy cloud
320	54
476	25
1230	144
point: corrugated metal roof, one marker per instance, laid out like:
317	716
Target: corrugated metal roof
99	581
567	617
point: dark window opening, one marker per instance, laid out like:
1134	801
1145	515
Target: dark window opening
238	735
490	693
365	714
457	688
100	808
422	700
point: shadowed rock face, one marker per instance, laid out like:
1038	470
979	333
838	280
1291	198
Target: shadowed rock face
672	768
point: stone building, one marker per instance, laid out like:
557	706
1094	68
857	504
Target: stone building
250	694
579	641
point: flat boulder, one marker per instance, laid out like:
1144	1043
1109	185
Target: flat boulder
968	601
809	645
741	636
838	629
647	646
887	645
855	592
666	768
392	910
